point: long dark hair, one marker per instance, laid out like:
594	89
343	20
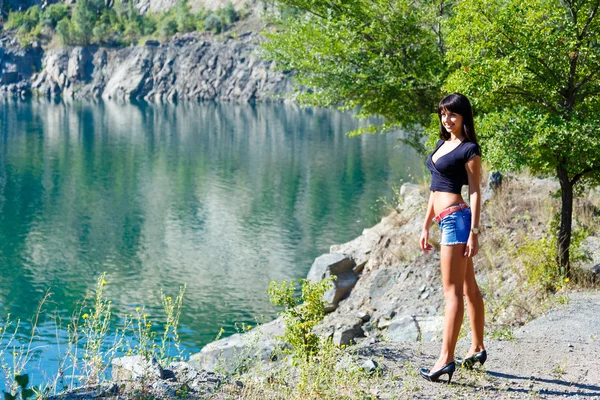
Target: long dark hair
459	104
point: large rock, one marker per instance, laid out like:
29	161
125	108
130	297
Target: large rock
403	329
235	351
338	265
136	367
591	248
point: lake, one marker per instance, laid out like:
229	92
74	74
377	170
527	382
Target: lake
223	198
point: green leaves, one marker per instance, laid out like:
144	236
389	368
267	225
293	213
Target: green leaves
380	55
301	314
22	380
532	71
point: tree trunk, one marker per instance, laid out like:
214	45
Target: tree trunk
566	217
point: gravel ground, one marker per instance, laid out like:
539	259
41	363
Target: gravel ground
555	356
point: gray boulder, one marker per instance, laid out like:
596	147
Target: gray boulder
136	367
339	265
403	329
233	352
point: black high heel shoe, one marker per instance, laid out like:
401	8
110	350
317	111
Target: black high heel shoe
435	376
469	362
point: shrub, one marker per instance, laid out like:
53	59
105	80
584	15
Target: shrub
212	23
64	30
54	13
183	17
301	314
167	28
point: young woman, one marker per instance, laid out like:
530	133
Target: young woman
456	162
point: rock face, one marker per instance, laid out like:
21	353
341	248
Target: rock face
193	66
16	66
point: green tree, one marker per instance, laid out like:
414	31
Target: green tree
83	21
532	69
183	17
64	30
54	13
384	56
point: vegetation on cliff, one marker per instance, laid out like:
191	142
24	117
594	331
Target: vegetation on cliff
93	22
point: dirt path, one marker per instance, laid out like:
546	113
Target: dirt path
553	357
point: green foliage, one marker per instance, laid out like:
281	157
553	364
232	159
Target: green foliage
301	314
212	23
54	13
64	30
167	27
531	69
91	21
383	56
183	17
24	21
26	393
539	258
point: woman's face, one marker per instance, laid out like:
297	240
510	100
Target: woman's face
453	122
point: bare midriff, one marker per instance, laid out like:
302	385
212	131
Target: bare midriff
443	200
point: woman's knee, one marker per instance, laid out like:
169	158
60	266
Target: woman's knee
471	292
454	292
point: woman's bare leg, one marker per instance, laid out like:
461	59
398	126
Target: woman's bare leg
476	309
454	266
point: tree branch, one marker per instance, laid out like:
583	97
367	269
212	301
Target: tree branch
586	79
589	21
580	175
540	100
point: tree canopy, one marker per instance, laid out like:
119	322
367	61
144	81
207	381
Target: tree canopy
384	56
531	69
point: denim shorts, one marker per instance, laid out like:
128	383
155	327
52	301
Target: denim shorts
456	227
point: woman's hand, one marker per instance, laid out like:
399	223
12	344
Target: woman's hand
472	246
424	241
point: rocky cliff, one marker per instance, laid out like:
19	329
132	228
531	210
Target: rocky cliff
194	66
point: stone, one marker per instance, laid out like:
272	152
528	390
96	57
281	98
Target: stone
383	323
203	68
403	329
136	367
339	265
363	316
162	390
231	352
494	183
329	264
430	327
591	248
345	336
369	366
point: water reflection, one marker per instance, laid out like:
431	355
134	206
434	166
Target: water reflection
222	197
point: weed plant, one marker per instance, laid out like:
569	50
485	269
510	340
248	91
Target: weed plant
94	338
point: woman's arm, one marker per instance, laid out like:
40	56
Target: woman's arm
429	214
473	167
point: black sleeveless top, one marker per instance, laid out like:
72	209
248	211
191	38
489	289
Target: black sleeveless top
449	174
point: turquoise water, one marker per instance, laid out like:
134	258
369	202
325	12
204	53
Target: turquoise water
221	197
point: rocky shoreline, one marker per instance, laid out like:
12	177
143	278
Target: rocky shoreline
188	67
387	308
